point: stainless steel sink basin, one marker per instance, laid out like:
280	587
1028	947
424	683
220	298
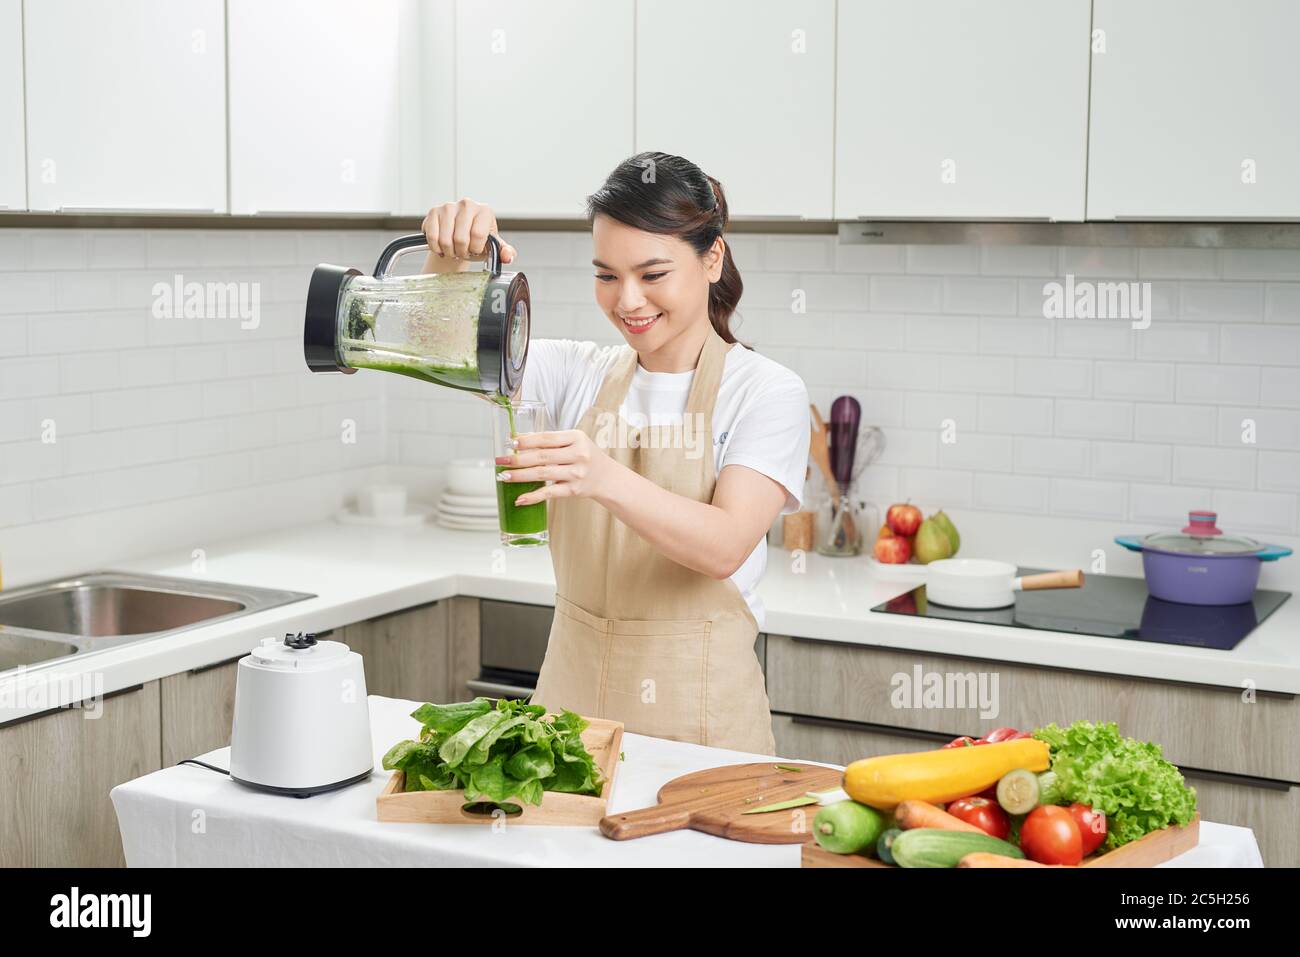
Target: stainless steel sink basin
101	610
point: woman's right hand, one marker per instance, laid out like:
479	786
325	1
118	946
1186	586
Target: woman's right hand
457	235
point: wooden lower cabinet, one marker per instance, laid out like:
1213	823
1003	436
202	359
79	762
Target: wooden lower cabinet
198	709
407	654
56	770
836	703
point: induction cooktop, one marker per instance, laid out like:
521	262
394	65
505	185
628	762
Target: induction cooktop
1108	606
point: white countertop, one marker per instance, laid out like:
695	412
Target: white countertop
158	817
359	573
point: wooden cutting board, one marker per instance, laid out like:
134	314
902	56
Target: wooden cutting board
1155	848
714	801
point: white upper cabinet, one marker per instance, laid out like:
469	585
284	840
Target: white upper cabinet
1195	110
13	179
746	90
953	109
314	106
125	105
543	101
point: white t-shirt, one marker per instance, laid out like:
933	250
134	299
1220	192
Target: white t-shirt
760	419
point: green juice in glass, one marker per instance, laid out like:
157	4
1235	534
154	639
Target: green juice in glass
521	525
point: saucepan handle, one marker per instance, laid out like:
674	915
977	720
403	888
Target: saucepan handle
1067	579
1272	553
1129	541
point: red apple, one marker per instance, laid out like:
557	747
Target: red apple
895	550
885	532
904	519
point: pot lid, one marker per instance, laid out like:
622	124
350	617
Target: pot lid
1202	536
300	652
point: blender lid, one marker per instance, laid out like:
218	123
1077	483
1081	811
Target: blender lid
299	653
320	328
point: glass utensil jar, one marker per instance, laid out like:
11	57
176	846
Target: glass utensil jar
521	525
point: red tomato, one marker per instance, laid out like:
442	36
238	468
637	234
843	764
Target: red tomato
1049	835
1000	734
1092	826
964	741
986	815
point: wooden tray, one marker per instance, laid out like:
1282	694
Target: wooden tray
1156	848
603	740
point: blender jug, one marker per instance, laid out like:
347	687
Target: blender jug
466	330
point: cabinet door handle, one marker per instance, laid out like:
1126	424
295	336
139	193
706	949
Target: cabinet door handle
493	689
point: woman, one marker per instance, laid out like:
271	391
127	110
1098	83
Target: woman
670	458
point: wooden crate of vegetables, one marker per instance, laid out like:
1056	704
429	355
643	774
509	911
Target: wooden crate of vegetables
475	759
1077	796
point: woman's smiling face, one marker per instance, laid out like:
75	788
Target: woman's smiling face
652	287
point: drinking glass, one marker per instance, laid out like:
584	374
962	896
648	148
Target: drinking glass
521	525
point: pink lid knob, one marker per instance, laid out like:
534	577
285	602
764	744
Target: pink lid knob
1202	524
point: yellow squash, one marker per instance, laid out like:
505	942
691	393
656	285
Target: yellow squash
941	775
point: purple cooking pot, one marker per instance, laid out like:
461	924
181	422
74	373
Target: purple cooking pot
1201	565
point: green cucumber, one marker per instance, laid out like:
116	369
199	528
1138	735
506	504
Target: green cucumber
885	846
935	847
1018	791
847	827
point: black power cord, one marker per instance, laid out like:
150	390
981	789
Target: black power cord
210	767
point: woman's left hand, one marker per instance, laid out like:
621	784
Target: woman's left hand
569	459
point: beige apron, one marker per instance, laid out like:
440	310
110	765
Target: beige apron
637	637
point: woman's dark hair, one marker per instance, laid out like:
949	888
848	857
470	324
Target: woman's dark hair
662	193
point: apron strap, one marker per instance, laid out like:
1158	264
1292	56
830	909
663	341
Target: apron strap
617	381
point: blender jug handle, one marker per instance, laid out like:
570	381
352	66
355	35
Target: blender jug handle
404	244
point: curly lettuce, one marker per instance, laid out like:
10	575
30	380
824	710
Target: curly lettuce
1129	780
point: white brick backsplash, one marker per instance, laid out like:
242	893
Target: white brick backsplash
1098	262
1218	468
1134	380
1282	302
1182	341
1276	345
942	334
1266	512
936	488
986	453
1068	377
1166	505
1103	500
977	373
1280	387
1018	260
867	331
1273	428
1217	384
943	260
1193	424
799	253
1261	264
1039	456
1010	493
1085	418
1134	461
982	296
1016	337
910	447
1223	301
929	410
1015	415
1094	338
1279	471
906	294
869	258
1175	263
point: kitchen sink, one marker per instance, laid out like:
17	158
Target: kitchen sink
92	612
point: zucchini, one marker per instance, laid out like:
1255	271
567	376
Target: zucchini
1018	791
884	846
939	776
932	847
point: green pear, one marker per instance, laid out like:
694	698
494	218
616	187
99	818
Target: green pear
941	519
932	543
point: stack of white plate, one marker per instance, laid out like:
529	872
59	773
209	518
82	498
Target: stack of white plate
469	501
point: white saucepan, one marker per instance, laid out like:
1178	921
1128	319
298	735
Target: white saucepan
983	583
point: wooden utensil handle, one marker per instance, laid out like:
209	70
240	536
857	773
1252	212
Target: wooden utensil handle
1069	579
657	819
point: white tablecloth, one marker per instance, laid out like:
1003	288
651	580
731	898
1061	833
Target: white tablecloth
189	816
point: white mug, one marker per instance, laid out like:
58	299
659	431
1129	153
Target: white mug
382	501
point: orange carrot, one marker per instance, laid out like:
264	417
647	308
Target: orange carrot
984	859
910	814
